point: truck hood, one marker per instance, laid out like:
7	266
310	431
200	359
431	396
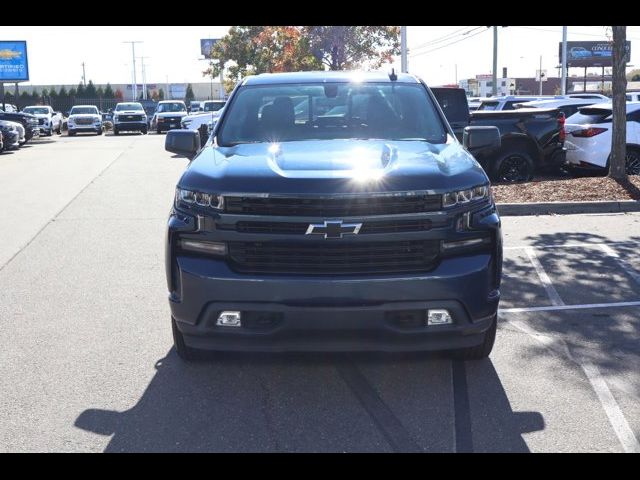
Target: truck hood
333	166
42	115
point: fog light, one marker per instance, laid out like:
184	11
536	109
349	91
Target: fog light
438	317
464	243
214	248
229	319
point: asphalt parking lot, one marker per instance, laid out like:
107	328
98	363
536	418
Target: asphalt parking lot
87	364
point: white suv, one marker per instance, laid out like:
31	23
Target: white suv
588	140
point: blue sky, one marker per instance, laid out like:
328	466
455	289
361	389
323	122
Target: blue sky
172	52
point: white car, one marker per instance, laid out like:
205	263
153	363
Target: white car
633	96
13	134
212	109
84	118
588	137
48	120
129	116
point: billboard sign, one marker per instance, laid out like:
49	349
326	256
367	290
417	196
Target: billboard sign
206	44
591	54
14	65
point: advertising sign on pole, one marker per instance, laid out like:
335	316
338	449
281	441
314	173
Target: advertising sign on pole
206	44
14	65
591	54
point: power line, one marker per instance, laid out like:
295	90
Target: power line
448	44
439	39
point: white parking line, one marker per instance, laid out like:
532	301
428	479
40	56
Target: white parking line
623	264
553	295
611	408
548	308
569	245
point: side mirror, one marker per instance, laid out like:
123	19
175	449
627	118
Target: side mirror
183	142
475	138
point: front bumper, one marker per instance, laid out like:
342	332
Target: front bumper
334	314
141	125
341	312
85	128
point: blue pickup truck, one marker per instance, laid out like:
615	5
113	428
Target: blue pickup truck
357	223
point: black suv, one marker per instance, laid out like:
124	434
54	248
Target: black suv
333	211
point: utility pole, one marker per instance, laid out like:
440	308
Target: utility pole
133	52
403	50
563	86
84	76
494	90
540	75
144	77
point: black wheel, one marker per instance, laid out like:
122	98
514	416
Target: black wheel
71	133
116	131
158	131
99	132
513	167
633	161
480	351
59	129
184	352
144	131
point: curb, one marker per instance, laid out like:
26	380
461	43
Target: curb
566	208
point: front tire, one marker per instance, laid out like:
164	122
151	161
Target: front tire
116	131
185	353
481	351
71	133
513	166
158	131
144	131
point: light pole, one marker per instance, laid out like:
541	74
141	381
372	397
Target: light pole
563	86
133	53
403	50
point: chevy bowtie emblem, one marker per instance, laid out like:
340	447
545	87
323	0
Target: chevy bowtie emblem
333	229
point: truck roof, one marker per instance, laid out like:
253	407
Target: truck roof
326	77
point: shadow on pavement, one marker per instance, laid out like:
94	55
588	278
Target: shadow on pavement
296	402
585	275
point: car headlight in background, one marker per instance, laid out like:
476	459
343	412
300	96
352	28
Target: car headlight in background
190	199
461	197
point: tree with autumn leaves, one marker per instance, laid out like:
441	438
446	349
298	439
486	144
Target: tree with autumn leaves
250	50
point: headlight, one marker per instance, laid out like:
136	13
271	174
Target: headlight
115	118
461	197
190	199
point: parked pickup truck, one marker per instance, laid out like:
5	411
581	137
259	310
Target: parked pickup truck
48	120
360	223
531	138
28	121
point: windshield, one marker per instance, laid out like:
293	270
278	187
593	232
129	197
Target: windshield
128	106
488	106
586	116
36	110
213	106
171	107
294	112
84	111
